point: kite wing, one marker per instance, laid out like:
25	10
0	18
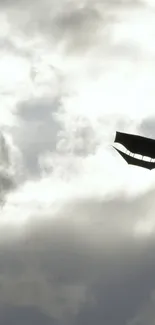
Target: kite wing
137	162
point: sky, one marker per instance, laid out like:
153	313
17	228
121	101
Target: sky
77	223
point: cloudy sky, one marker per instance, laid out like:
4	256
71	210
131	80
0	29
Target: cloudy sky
77	223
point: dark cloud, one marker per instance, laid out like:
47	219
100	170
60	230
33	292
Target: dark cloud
145	314
82	265
23	316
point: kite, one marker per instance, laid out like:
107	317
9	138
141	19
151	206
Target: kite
137	145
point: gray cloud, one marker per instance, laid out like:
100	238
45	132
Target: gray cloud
4	152
42	131
7	177
147	127
9	45
81	28
76	26
78	138
37	131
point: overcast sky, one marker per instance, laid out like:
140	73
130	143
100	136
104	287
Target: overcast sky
77	223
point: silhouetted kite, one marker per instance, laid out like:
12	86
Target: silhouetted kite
137	145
